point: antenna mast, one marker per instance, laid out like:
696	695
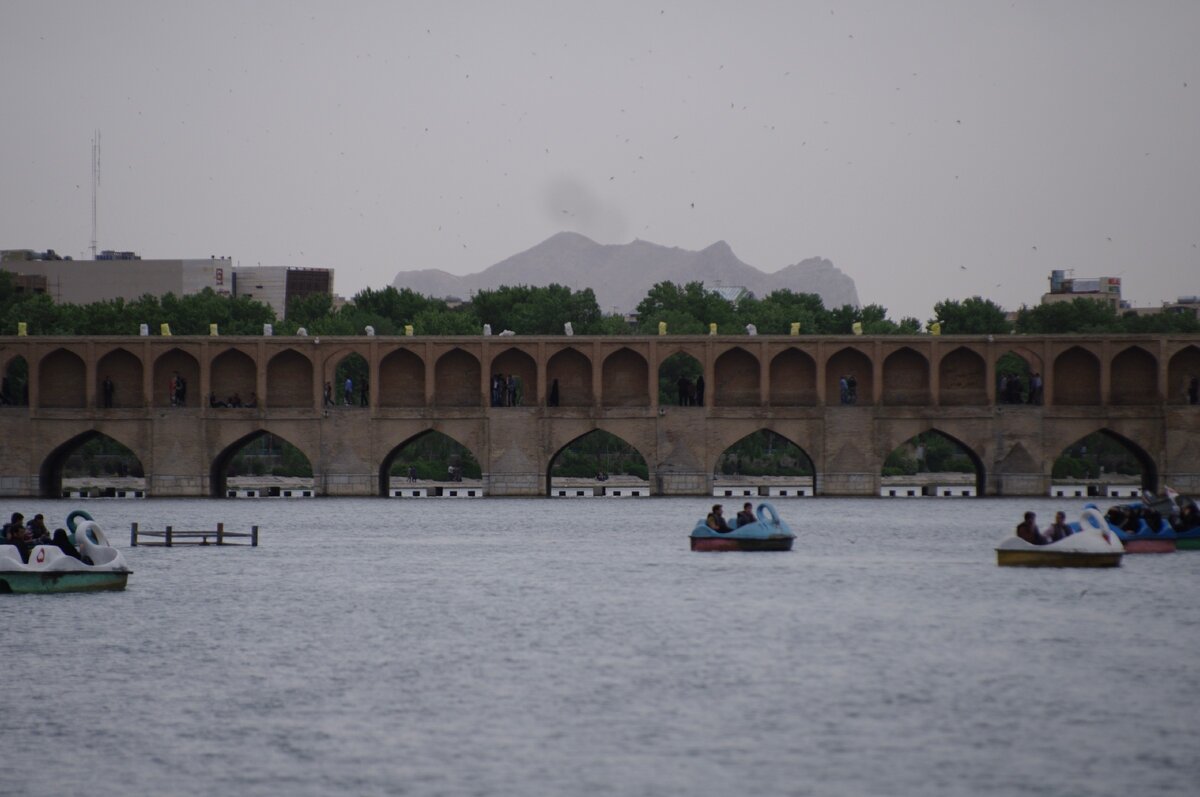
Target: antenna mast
95	185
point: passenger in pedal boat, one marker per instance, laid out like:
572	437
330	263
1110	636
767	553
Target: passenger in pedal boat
716	521
746	515
1029	532
1058	529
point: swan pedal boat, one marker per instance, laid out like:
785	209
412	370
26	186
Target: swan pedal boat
768	533
51	570
1085	547
1164	539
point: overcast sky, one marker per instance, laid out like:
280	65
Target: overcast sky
931	150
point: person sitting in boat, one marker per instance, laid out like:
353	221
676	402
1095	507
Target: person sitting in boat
16	534
716	521
38	532
64	544
1028	530
746	515
1059	528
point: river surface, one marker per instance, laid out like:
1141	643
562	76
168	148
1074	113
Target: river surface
577	647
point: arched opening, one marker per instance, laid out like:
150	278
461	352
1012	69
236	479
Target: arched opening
352	381
962	379
1106	462
401	380
933	463
853	368
1014	380
1133	378
681	381
61	380
456	380
429	460
765	459
570	376
514	379
793	379
623	379
91	464
176	379
905	379
290	380
1076	378
597	461
232	380
119	380
737	374
14	389
261	464
1183	377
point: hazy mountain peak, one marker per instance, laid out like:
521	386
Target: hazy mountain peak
622	274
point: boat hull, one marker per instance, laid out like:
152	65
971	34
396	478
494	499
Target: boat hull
1134	545
1018	558
28	583
743	544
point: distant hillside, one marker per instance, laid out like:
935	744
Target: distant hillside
622	274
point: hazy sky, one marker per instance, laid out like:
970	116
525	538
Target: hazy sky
929	149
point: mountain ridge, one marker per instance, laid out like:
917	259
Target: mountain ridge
621	274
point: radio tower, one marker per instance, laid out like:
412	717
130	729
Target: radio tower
95	185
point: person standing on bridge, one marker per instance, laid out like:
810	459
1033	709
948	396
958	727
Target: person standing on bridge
348	391
700	390
364	396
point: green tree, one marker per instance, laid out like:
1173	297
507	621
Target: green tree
973	316
687	309
1076	316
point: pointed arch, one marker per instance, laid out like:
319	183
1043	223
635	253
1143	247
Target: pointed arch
849	362
175	362
517	362
219	469
1087	457
905	378
351	366
62	379
290	380
624	381
124	371
1014	376
765	452
793	379
402	380
456	379
572	370
1182	368
1076	378
737	374
233	377
620	457
962	379
681	379
463	457
14	387
922	453
50	473
1133	377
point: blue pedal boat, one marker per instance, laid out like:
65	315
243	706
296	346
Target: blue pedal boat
768	533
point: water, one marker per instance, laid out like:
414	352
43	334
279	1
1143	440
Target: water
577	647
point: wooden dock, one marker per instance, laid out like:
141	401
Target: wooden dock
170	537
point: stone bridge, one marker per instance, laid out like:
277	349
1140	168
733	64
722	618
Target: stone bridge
1130	387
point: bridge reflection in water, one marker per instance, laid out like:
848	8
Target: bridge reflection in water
1131	387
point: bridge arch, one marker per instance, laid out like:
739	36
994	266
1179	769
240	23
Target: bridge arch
943	460
1183	366
626	457
1014	374
849	362
401	379
572	370
124	369
290	381
681	378
962	378
166	366
624	380
793	379
456	379
435	439
1149	468
14	387
1133	377
517	362
765	452
736	373
62	379
1076	378
905	378
233	377
219	469
50	473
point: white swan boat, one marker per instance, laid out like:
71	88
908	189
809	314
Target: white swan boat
1088	547
51	570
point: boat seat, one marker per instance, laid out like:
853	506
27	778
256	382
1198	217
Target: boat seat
10	558
49	554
